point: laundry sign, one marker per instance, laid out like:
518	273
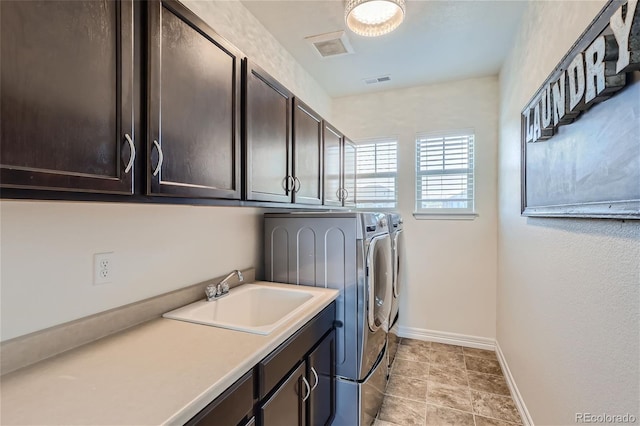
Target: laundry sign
581	128
592	76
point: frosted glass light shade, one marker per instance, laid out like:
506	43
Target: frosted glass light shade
374	17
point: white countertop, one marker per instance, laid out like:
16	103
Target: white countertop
161	372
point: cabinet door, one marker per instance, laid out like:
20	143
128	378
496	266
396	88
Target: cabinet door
194	107
322	377
307	154
349	173
66	95
233	407
268	173
332	140
287	405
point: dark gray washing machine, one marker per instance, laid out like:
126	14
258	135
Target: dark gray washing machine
350	252
397	246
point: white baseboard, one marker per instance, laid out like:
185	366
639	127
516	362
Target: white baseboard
449	338
515	393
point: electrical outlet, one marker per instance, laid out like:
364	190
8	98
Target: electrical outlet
103	268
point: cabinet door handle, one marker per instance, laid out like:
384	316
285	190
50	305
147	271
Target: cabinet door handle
133	153
345	194
296	184
160	157
306	385
288	181
315	375
339	194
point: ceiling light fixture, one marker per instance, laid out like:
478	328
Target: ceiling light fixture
374	17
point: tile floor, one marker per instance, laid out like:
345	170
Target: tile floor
438	384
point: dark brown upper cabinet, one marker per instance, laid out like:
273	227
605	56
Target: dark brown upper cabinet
268	172
66	96
194	86
349	173
333	140
339	168
307	154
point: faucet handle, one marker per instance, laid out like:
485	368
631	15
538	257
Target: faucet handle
224	288
211	291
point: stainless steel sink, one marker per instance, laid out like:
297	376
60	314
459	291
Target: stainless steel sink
252	308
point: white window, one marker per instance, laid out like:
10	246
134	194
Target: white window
376	172
444	174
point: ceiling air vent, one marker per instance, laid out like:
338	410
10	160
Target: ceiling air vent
331	44
376	80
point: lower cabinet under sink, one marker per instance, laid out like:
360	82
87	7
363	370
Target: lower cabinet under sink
293	385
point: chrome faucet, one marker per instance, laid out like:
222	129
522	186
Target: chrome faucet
216	291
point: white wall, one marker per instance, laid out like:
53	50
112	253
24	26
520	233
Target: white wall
568	290
47	247
451	265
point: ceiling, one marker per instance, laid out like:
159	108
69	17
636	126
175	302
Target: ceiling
438	41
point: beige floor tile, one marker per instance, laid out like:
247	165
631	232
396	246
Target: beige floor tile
448	375
402	411
379	422
440	416
483	365
446	385
448	359
485	421
407	387
480	353
442	347
488	383
495	406
412	353
451	396
414	369
415	342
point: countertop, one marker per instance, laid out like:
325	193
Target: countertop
161	372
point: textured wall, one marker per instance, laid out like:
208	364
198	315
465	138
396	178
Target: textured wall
235	23
451	265
47	247
568	290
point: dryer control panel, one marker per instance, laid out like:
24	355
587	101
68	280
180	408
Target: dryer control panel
374	224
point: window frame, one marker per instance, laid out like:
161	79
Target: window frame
394	175
466	213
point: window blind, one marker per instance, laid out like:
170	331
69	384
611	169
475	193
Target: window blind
444	173
376	173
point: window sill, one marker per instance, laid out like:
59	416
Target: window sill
376	209
445	216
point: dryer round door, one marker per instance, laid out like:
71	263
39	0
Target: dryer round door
379	281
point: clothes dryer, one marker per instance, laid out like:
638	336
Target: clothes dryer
397	245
